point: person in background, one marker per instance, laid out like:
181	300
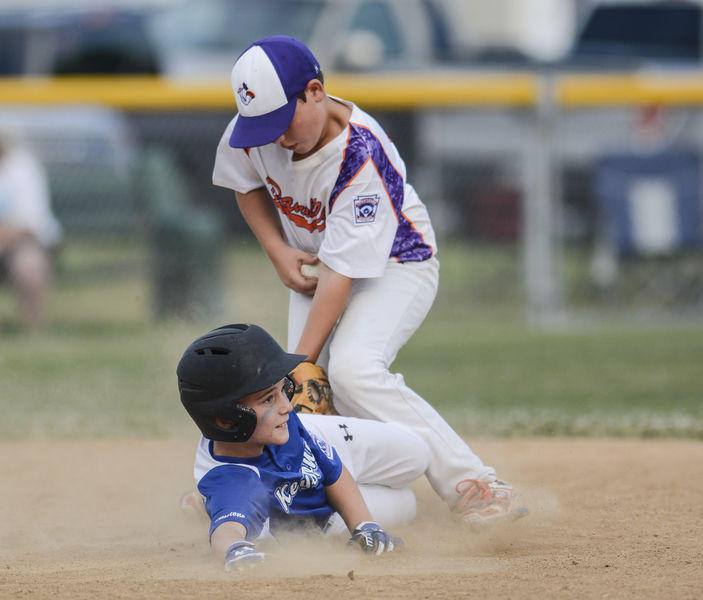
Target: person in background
29	231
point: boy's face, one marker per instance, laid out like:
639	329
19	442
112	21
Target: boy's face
272	408
306	130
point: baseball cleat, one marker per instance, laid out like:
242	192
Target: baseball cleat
485	503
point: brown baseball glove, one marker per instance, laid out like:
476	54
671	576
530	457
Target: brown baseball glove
313	393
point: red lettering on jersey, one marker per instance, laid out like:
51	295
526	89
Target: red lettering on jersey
310	217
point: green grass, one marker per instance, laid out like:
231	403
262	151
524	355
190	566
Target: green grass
106	368
622	382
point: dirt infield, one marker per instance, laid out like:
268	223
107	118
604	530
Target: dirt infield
609	519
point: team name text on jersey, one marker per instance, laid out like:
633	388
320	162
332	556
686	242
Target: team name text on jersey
311	477
310	217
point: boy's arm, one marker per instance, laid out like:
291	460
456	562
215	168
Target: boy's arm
225	535
236	501
331	290
345	497
229	545
328	303
259	213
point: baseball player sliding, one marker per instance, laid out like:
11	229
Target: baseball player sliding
321	184
261	468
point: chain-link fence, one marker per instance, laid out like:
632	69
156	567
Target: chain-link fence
592	201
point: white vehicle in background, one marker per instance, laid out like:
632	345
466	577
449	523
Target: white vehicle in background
202	38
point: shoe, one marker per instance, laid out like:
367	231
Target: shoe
484	503
192	502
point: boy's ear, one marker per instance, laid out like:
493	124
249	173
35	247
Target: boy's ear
224	423
315	88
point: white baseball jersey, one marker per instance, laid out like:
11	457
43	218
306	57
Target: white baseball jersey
349	202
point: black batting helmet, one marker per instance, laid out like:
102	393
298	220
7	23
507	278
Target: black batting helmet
221	367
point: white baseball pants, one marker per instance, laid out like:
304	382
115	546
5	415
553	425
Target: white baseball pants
380	317
383	458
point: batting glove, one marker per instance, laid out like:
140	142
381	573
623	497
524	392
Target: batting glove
241	555
372	539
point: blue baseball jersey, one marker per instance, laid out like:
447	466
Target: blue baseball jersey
283	487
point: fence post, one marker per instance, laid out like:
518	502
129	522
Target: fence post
543	285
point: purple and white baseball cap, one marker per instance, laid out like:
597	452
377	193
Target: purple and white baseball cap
266	80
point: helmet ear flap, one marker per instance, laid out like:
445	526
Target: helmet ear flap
241	424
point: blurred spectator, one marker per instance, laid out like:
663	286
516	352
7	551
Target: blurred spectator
29	231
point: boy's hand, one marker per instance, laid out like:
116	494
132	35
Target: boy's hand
288	263
372	539
241	555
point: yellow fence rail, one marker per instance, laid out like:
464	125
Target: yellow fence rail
388	91
573	91
375	91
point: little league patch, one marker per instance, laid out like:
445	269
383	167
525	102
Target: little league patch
365	208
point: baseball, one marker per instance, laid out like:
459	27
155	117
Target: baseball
310	270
